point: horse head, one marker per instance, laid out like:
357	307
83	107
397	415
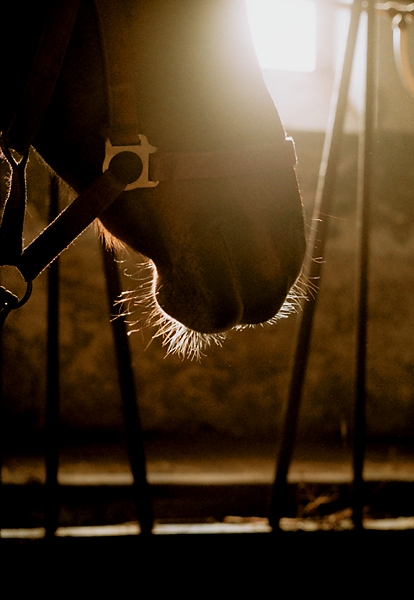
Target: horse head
226	250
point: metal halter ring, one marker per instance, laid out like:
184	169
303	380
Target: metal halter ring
9	301
143	150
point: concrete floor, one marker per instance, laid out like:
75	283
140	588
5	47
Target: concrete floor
210	481
209	461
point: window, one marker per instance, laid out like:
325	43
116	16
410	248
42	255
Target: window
284	33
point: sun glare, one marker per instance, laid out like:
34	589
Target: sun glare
284	33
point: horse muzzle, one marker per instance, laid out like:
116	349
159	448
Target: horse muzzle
226	251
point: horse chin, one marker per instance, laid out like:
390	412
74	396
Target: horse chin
211	311
142	310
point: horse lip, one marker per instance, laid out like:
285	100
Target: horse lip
208	321
211	321
220	312
207	313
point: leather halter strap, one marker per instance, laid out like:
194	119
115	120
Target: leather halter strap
116	48
252	161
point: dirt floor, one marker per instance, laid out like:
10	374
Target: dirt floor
212	481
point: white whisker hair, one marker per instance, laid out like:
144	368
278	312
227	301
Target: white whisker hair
176	337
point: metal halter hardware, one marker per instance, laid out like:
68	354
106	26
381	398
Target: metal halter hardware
143	151
9	301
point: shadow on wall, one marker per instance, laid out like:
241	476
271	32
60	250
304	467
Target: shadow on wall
237	390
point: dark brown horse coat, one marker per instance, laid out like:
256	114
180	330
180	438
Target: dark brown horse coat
226	249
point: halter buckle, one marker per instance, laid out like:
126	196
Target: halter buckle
143	150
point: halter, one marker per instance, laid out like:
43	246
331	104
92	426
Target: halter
130	160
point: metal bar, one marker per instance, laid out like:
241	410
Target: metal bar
363	224
52	382
313	268
133	430
3	173
400	26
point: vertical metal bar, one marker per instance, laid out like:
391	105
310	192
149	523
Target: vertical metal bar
313	268
1	428
52	382
3	174
133	430
363	224
401	48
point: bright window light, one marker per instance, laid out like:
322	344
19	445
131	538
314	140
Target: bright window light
284	33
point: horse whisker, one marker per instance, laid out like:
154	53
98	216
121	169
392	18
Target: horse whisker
176	337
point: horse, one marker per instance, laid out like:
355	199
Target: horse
226	247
